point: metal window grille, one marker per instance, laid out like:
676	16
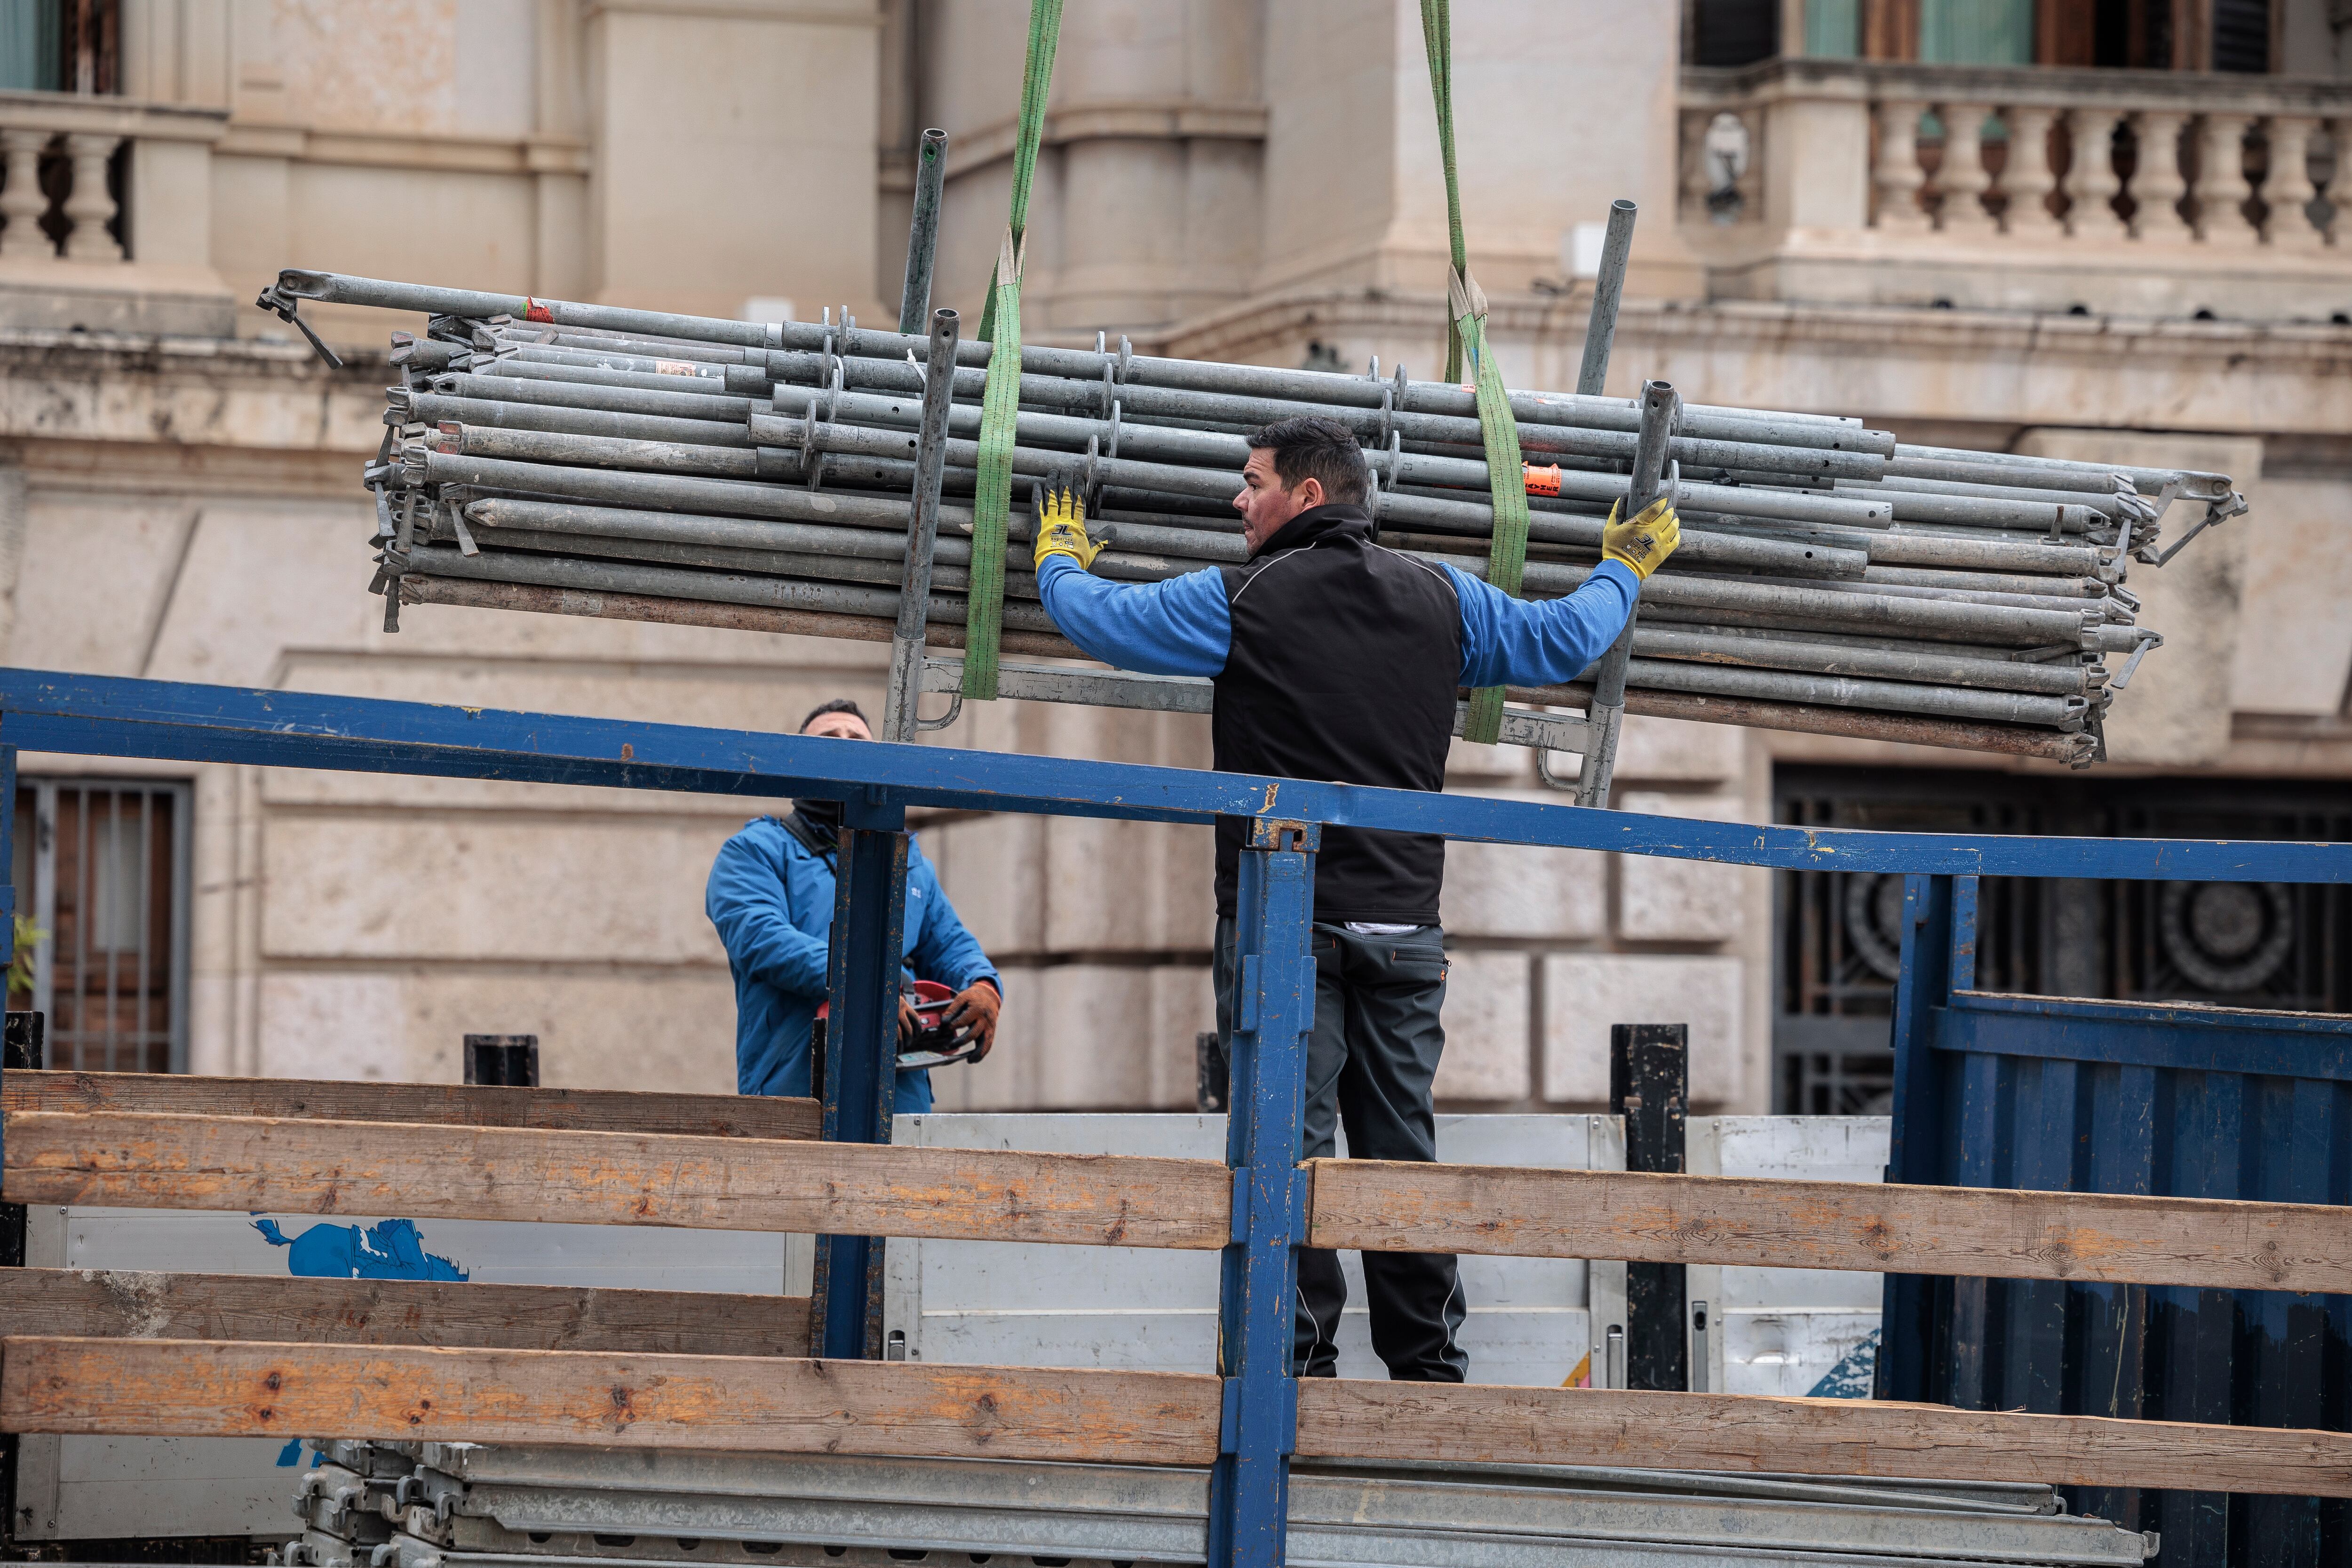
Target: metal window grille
2245	944
101	866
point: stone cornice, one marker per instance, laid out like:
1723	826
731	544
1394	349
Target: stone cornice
187	392
79	112
1172	119
401	150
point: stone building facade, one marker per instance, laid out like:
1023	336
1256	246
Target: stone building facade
1252	180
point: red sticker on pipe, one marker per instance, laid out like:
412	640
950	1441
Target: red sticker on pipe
535	311
1543	481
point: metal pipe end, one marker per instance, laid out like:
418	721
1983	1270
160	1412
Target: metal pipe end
1623	204
302	283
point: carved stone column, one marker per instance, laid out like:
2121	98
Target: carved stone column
2028	181
2295	140
21	201
2093	181
91	206
1964	179
1898	177
2223	188
2156	186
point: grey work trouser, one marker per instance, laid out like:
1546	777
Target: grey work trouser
1369	1061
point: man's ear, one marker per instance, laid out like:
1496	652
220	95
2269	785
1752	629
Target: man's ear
1311	493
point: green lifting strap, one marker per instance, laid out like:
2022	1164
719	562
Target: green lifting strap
1437	38
1465	344
999	405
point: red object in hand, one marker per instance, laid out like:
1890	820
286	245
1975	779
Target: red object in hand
934	1043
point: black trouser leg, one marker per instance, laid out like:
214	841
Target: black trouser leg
1369	1063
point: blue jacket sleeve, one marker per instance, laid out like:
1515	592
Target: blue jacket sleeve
946	950
746	900
1178	627
1540	642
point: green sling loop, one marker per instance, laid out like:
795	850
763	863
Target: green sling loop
1000	404
1466	339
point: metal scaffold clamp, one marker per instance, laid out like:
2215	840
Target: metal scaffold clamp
2234	505
280	303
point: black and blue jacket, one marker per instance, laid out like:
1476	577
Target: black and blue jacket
1335	658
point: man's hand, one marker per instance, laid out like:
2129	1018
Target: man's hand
1061	529
910	1023
973	1015
1642	546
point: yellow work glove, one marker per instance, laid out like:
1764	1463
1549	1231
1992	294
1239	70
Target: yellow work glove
1642	546
1062	529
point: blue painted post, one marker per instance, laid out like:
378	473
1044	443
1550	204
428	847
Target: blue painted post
1274	1008
1930	941
861	1054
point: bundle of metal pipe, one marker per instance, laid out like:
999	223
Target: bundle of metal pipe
557	456
464	1504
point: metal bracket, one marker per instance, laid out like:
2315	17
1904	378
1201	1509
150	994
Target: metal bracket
1286	835
2215	511
1295	1202
2122	677
955	711
279	303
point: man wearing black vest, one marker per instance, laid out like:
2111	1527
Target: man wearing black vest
1335	658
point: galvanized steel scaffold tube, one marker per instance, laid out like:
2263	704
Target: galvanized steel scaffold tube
590	460
458	1505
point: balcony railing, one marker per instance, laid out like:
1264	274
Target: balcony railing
106	215
60	193
2142	192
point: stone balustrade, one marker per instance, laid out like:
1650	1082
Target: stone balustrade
106	215
56	197
2146	193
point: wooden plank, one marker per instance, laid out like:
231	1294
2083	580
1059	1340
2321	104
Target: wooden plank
113	1159
187	1388
1490	1424
1973	1232
464	1104
120	1304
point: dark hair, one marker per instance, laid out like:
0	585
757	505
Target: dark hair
838	705
1314	448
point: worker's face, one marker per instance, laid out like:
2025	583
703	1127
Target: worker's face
839	726
1264	504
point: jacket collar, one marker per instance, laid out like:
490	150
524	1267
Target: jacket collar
1330	520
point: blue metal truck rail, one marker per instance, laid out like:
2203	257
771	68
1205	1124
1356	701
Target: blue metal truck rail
1950	1124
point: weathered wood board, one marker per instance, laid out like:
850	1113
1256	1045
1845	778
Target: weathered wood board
470	1105
185	1388
1492	1424
148	1161
126	1304
1973	1232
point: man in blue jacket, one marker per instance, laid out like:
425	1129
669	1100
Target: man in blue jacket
1335	658
770	896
